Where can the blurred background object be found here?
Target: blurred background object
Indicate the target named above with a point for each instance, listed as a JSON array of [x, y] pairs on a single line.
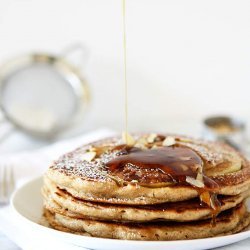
[[42, 95], [225, 129]]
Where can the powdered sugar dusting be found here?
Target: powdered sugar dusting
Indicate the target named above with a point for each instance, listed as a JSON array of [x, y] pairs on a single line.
[[73, 164], [206, 152]]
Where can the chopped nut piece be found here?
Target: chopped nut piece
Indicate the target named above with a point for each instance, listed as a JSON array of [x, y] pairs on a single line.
[[134, 181], [128, 139], [169, 141], [151, 138], [194, 182], [141, 146], [142, 141], [99, 150], [88, 156], [199, 176]]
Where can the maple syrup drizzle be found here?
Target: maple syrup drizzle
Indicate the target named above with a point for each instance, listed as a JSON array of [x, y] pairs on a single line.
[[167, 160], [125, 69], [171, 164], [174, 162]]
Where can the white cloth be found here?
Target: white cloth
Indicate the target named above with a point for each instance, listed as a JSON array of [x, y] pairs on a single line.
[[28, 165]]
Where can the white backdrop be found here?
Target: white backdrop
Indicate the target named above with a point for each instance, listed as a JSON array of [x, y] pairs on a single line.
[[186, 59]]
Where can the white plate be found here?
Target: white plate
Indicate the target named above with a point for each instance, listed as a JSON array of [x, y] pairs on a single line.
[[27, 204]]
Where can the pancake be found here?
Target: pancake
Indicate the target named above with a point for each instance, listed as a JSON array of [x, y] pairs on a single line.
[[228, 222], [91, 179], [154, 187], [61, 202]]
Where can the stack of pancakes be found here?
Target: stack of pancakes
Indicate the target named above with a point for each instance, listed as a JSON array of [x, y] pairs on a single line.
[[154, 187]]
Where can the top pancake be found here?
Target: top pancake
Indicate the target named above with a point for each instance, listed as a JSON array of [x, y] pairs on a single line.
[[91, 173]]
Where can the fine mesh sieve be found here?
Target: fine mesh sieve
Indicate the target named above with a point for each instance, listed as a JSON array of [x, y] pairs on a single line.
[[42, 94]]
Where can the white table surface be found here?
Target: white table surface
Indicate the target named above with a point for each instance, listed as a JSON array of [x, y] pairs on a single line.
[[6, 244]]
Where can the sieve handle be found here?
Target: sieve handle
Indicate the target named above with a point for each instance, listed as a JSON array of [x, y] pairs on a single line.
[[77, 54]]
